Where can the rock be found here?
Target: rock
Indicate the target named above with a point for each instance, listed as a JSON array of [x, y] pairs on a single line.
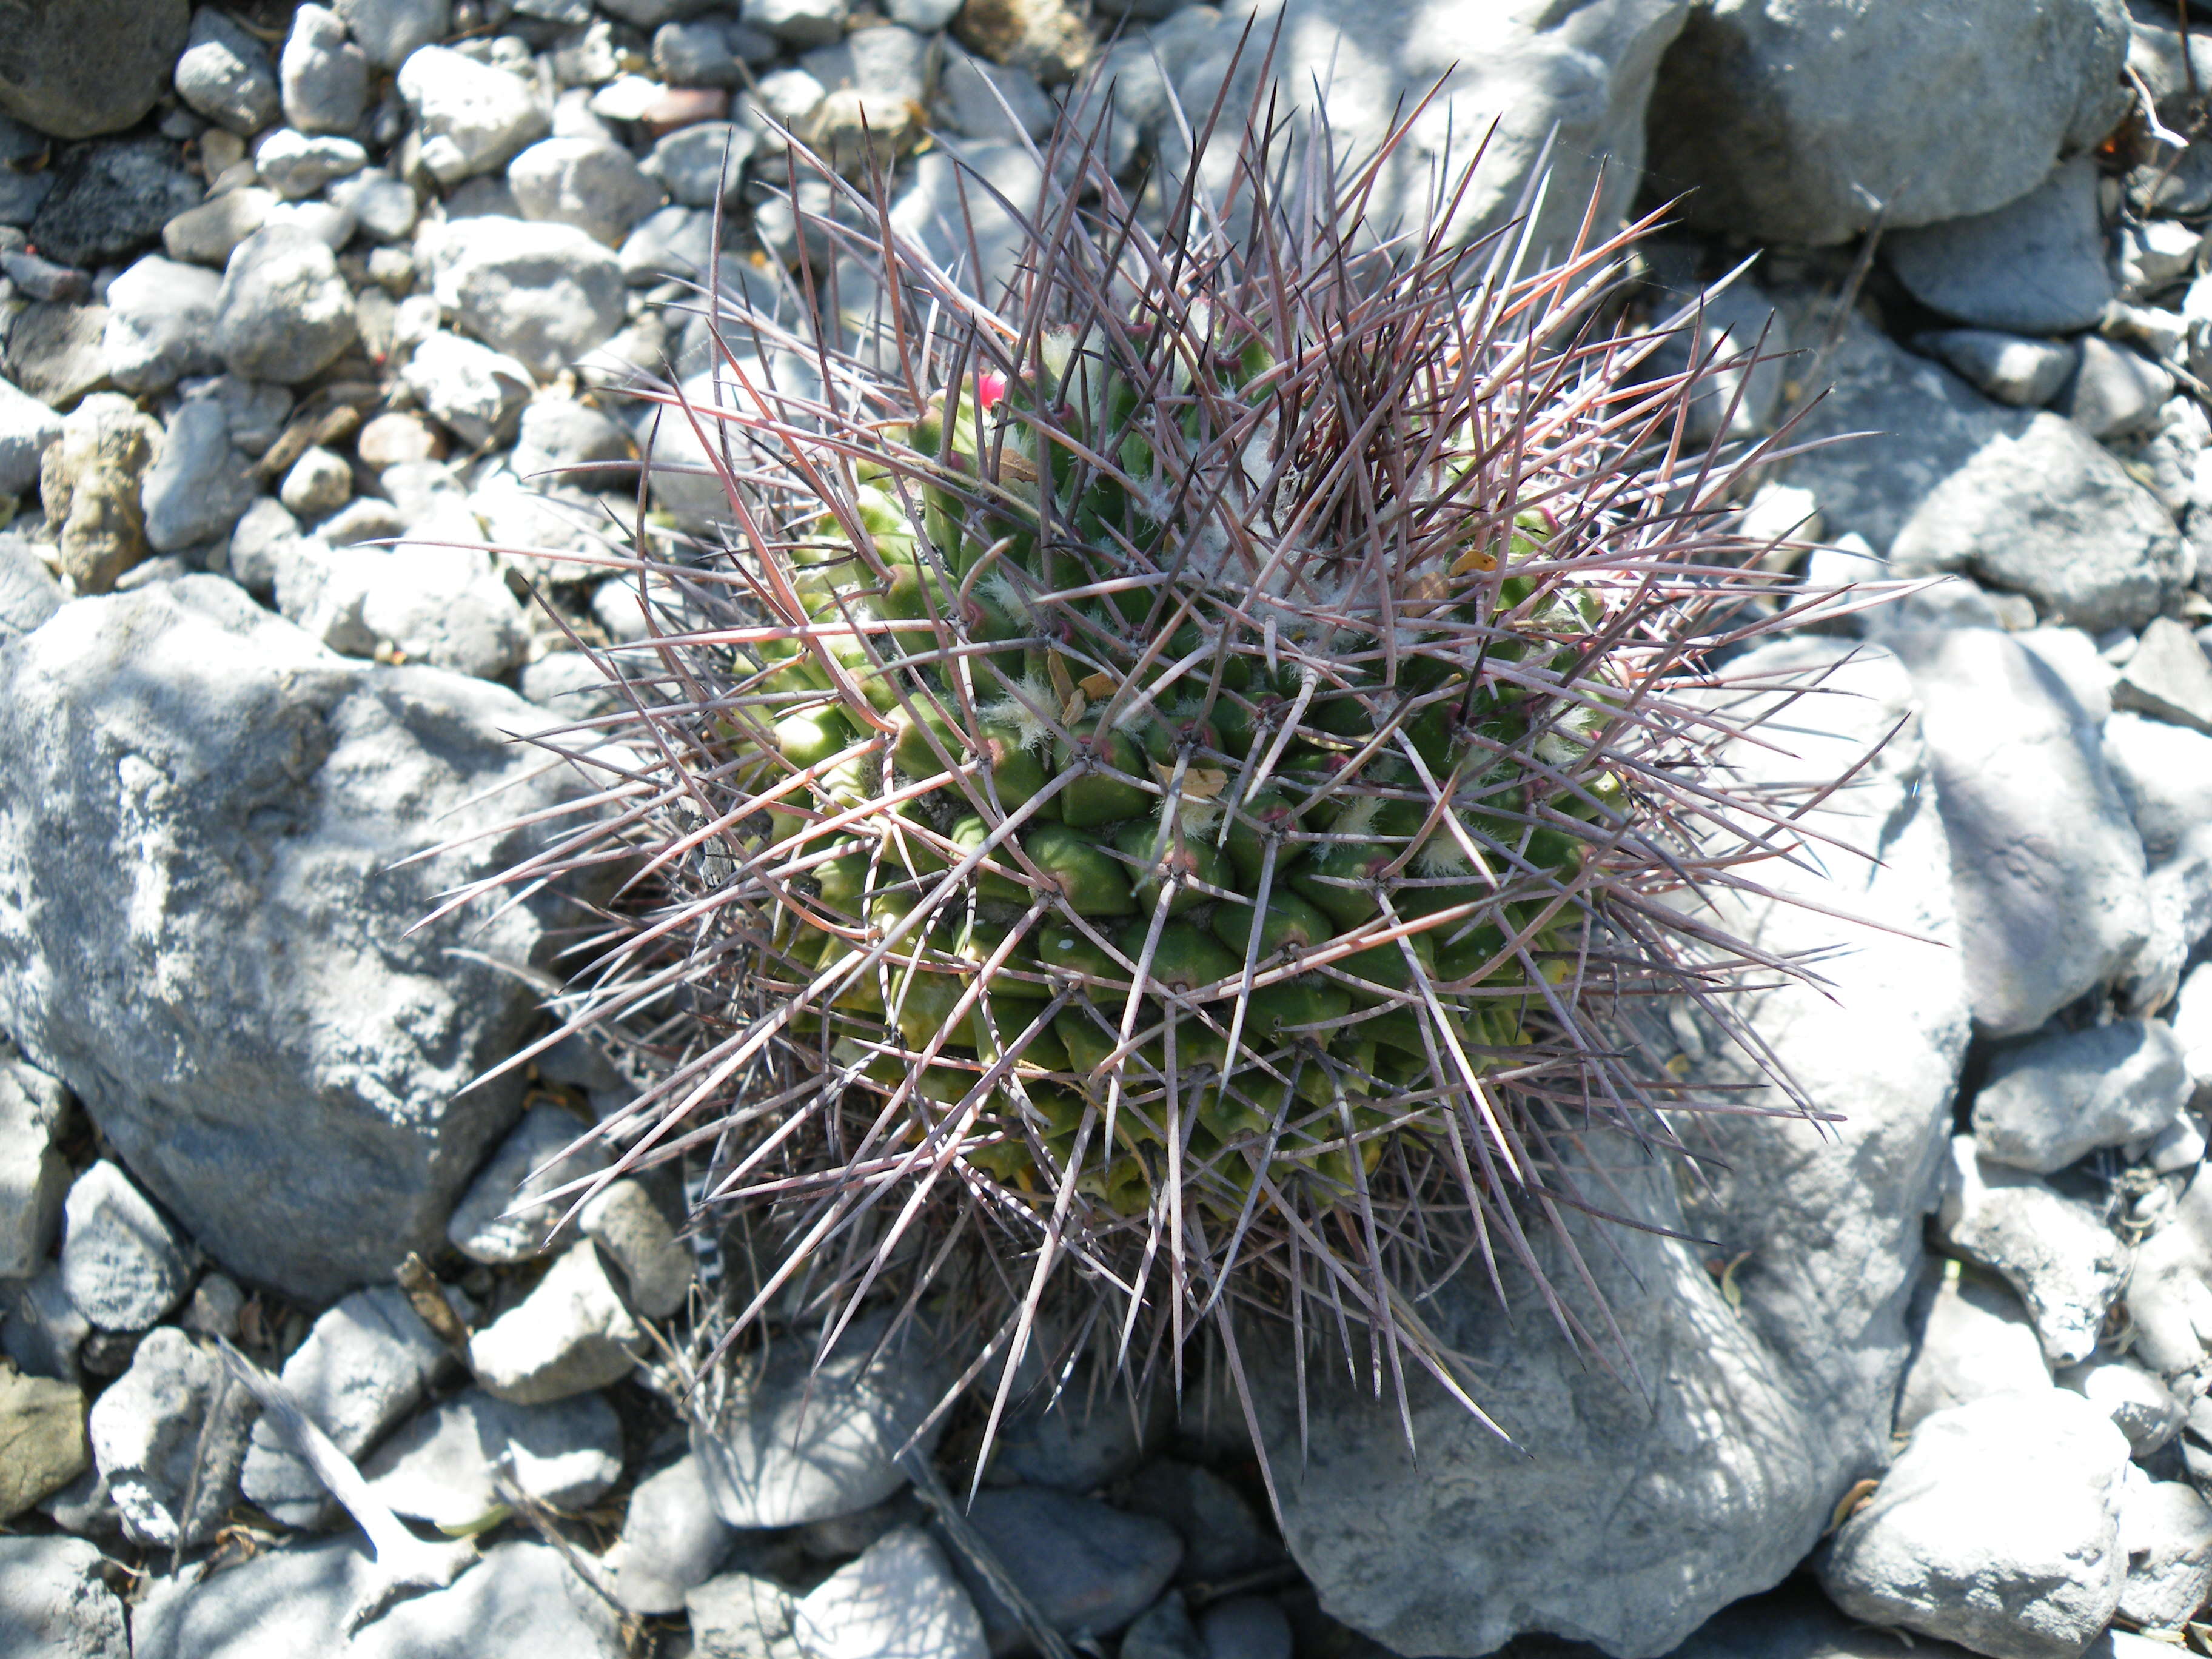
[[42, 1447], [398, 437], [2168, 677], [671, 1541], [2045, 864], [1163, 1631], [27, 428], [109, 200], [36, 278], [160, 324], [2066, 1264], [948, 196], [2025, 373], [2117, 393], [2192, 1027], [800, 23], [987, 101], [899, 1600], [544, 293], [2021, 500], [596, 187], [2060, 1097], [1625, 1518], [2164, 773], [258, 542], [2170, 1293], [1221, 1534], [577, 445], [1077, 1441], [702, 164], [324, 75], [211, 233], [421, 601], [91, 482], [34, 1178], [695, 55], [797, 1442], [29, 592], [22, 193], [1967, 1540], [319, 485], [521, 1601], [199, 486], [226, 75], [366, 1364], [2141, 1407], [123, 1263], [440, 1468], [740, 1616], [382, 205], [476, 392], [923, 16], [2166, 1532], [390, 31], [1726, 327], [217, 1303], [473, 117], [569, 1335], [522, 1170], [887, 61], [630, 1231], [1246, 1627], [2035, 266], [570, 684], [1088, 1570], [1782, 121], [1045, 37], [54, 352], [295, 166], [49, 79], [55, 1603], [1977, 1341], [284, 313], [308, 780], [675, 241], [156, 1451], [45, 1329]]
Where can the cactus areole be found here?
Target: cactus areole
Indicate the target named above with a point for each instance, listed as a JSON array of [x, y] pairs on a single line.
[[1165, 792]]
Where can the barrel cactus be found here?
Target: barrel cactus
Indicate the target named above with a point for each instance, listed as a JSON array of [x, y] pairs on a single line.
[[1157, 805]]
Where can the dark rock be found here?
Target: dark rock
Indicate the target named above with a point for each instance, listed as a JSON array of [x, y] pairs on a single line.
[[55, 351], [79, 68], [111, 200], [2036, 266], [1088, 1570]]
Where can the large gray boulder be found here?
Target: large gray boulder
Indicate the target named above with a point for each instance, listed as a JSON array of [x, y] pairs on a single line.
[[1564, 86], [50, 79], [203, 931], [1805, 120], [1640, 1501]]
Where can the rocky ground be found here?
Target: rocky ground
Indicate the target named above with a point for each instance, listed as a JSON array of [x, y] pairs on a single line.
[[293, 298]]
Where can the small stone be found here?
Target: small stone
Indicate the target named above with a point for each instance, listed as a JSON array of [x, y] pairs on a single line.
[[475, 393], [2036, 266], [1087, 1569], [199, 486], [91, 480], [2157, 254], [42, 279], [154, 1450], [800, 1443], [34, 1177], [384, 207], [442, 1467], [1163, 1631], [569, 1335], [398, 436], [544, 293], [226, 76], [29, 592], [422, 601], [327, 222], [854, 131], [319, 485], [1977, 1341], [2065, 1262], [256, 410], [521, 1170], [899, 1600], [42, 1444], [2053, 1101], [704, 164], [925, 16], [2012, 368], [54, 352], [258, 542], [294, 165], [473, 117], [2115, 392], [671, 1541], [2166, 1532], [587, 57], [677, 241], [741, 1616], [988, 100], [627, 1226], [390, 31], [1246, 1627], [596, 187], [366, 1363], [1078, 1441], [2169, 678], [696, 54], [109, 200], [791, 95], [1967, 1540], [55, 1603], [2141, 1407], [324, 75], [800, 23], [160, 324], [1221, 1534], [28, 426], [209, 233], [217, 1303], [45, 1330], [284, 313], [122, 1264], [570, 443], [676, 107]]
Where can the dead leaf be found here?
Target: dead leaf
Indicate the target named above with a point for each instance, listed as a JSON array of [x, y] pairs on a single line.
[[1852, 1502]]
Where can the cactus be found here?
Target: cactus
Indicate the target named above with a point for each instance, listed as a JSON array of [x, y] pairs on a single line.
[[1158, 807]]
